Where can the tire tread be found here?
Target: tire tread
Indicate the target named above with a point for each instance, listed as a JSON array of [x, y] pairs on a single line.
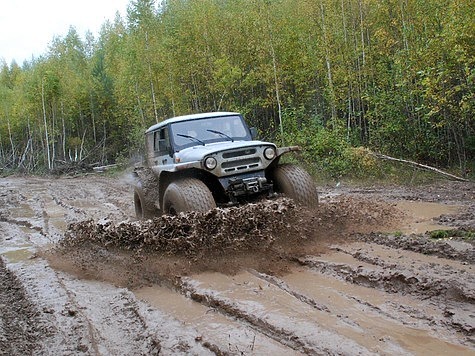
[[296, 183]]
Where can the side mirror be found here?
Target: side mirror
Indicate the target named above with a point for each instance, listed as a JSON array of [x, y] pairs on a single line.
[[253, 131]]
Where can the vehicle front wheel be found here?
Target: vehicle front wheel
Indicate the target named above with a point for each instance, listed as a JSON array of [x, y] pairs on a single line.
[[294, 182], [187, 194]]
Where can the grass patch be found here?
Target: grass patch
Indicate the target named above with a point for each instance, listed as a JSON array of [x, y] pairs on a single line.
[[445, 234]]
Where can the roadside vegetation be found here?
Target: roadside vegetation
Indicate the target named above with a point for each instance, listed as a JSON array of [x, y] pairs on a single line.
[[343, 79], [464, 234]]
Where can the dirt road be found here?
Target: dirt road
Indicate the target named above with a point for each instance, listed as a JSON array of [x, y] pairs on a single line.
[[356, 276]]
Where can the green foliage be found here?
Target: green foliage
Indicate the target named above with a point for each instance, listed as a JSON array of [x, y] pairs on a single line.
[[329, 155], [327, 151], [349, 77], [459, 233]]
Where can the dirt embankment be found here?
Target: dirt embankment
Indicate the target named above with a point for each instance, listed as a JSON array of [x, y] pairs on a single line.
[[357, 275]]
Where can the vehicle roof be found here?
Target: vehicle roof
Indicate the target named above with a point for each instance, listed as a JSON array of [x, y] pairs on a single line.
[[190, 117]]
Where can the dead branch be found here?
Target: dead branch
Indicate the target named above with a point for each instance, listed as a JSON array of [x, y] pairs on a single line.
[[423, 166], [104, 168]]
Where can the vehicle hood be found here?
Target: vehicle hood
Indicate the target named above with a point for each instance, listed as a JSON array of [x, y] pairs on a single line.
[[196, 153]]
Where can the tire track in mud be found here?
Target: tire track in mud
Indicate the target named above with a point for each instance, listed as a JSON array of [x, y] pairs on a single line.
[[285, 287], [269, 311], [392, 279], [93, 318], [33, 207], [100, 200], [110, 316], [220, 332], [427, 279], [64, 335], [345, 324], [113, 321], [20, 326], [421, 244]]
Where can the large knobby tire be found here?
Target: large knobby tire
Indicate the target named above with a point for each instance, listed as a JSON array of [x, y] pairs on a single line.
[[187, 194], [143, 208], [145, 194], [294, 182]]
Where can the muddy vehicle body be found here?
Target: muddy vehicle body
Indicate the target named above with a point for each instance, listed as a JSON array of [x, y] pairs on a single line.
[[197, 162]]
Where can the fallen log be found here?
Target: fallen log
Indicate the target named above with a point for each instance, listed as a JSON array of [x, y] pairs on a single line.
[[104, 168], [423, 166]]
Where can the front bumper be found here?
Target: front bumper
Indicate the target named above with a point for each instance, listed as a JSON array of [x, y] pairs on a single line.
[[245, 184]]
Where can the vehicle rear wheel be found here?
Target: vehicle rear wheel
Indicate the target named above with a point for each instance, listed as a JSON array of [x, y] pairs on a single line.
[[187, 194], [138, 205], [144, 209], [294, 182]]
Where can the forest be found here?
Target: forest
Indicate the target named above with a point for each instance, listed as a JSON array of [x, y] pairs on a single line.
[[341, 78]]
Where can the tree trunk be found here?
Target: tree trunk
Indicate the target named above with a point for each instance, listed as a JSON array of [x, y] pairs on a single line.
[[11, 139], [45, 123], [63, 140], [328, 63], [154, 101], [53, 143], [276, 83], [93, 117], [139, 103]]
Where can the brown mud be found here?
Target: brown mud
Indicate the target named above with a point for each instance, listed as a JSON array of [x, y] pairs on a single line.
[[359, 274]]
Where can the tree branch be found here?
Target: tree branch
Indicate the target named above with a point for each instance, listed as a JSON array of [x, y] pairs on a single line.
[[379, 155]]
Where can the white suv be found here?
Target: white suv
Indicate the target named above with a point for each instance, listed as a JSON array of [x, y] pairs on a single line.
[[197, 162]]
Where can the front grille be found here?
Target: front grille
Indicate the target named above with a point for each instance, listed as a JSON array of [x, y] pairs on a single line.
[[240, 165], [245, 152], [241, 160]]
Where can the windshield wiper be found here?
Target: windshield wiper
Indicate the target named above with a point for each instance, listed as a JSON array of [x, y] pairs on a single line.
[[221, 133], [191, 138]]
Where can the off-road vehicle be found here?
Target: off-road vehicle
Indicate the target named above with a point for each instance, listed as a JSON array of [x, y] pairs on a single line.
[[197, 162]]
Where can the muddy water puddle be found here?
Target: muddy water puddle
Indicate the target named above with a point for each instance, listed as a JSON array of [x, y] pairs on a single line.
[[372, 317], [343, 317], [263, 303], [233, 336], [17, 255], [24, 211], [420, 216]]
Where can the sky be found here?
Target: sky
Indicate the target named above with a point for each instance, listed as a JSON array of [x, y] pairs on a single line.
[[27, 27]]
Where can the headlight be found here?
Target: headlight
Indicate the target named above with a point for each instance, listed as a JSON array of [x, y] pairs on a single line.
[[210, 163], [269, 153]]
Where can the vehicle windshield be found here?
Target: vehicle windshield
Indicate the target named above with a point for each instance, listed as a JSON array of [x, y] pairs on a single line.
[[208, 130]]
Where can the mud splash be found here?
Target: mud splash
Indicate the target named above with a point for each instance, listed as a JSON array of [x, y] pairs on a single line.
[[253, 226]]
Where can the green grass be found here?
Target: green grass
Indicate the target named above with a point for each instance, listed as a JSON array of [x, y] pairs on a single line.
[[444, 234]]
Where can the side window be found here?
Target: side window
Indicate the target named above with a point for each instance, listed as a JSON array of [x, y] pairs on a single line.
[[156, 141], [161, 142]]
